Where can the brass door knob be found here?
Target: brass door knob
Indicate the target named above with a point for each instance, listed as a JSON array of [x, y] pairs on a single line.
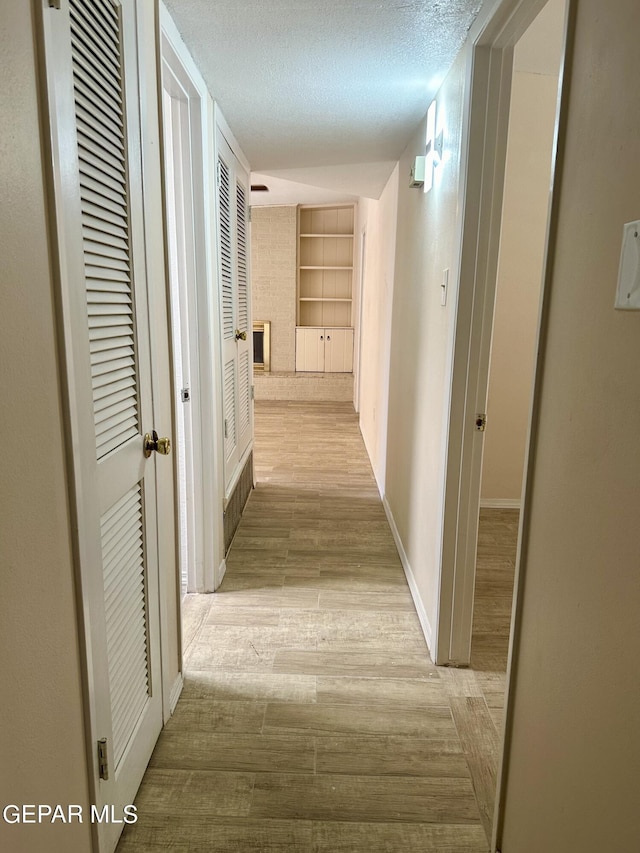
[[160, 445], [241, 336]]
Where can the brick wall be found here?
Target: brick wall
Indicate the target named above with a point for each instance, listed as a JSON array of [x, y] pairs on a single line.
[[273, 279]]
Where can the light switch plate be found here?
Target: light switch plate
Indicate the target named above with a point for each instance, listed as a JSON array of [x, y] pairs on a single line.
[[628, 292]]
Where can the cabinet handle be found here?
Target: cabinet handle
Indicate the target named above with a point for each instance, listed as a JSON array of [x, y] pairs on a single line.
[[321, 338], [328, 337]]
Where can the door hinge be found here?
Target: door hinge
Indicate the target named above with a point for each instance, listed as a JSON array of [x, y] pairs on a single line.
[[249, 212], [54, 4], [103, 759], [226, 428], [253, 392], [481, 422], [218, 173]]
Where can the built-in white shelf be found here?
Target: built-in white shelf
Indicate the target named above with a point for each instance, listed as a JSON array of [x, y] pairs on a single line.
[[325, 267], [322, 236]]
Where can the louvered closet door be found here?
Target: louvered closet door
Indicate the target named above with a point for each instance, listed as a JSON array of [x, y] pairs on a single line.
[[91, 55], [237, 339], [245, 347]]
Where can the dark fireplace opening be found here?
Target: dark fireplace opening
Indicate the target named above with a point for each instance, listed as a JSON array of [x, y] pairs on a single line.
[[258, 347], [262, 345]]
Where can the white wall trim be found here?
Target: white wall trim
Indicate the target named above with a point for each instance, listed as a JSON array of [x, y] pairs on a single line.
[[220, 573], [500, 503], [358, 305], [170, 32], [377, 477], [205, 410], [413, 586], [176, 690]]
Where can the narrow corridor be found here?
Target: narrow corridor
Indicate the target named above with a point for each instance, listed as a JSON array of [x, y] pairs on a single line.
[[312, 719]]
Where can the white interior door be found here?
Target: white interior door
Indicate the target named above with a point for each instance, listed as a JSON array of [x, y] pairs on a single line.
[[237, 342], [91, 56]]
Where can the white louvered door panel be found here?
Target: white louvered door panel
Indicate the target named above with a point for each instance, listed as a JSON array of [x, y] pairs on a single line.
[[235, 307], [228, 306], [226, 248], [245, 347], [105, 223], [91, 53], [244, 392], [229, 410], [122, 534], [241, 244]]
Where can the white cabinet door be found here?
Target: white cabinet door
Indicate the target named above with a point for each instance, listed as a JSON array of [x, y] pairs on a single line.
[[310, 350], [338, 350], [328, 350]]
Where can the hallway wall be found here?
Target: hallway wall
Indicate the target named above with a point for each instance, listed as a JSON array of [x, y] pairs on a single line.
[[379, 219], [575, 739], [42, 750], [421, 339]]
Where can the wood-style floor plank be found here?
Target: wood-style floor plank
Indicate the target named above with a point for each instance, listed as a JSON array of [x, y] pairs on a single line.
[[333, 837], [480, 743], [312, 719], [364, 798]]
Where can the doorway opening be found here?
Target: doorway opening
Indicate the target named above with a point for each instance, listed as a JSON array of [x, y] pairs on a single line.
[[537, 59], [481, 264]]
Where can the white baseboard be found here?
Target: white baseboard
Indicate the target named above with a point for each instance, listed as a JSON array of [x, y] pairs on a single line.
[[176, 690], [413, 586], [222, 568], [500, 503], [379, 484]]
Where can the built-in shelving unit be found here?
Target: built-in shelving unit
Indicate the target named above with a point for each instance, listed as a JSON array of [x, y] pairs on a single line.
[[325, 266]]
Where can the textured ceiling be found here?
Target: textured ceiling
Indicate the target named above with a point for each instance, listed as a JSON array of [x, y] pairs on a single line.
[[350, 181], [308, 83], [289, 191]]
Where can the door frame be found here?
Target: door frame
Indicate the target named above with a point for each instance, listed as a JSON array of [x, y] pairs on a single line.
[[489, 76], [180, 178], [208, 570], [181, 269], [357, 356]]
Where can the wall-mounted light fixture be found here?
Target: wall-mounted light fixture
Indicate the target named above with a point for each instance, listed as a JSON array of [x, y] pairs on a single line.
[[417, 171], [434, 147], [425, 164]]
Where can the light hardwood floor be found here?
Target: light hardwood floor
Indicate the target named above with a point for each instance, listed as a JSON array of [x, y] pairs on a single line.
[[312, 718]]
